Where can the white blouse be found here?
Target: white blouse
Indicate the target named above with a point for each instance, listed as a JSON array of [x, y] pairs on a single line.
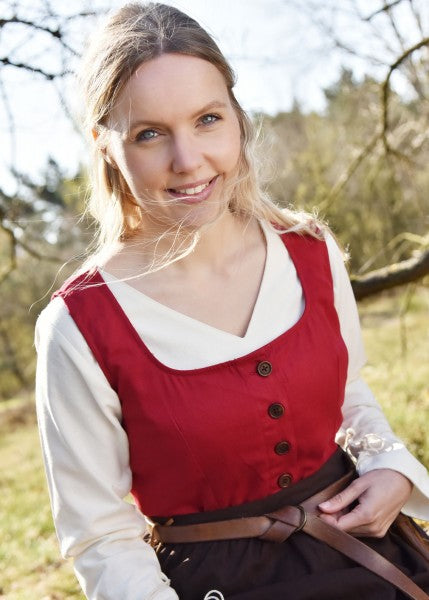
[[86, 449]]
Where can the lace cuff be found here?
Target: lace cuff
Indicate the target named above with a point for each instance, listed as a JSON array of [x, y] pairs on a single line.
[[366, 446]]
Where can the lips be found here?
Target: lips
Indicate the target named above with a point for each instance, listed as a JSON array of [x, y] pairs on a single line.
[[194, 192], [191, 188], [190, 191]]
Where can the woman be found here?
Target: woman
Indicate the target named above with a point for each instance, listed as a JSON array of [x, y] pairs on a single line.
[[202, 358]]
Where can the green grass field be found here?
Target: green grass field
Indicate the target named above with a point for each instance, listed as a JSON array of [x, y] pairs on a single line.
[[30, 564], [397, 345], [31, 568]]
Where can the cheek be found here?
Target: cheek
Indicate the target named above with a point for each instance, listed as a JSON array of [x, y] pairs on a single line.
[[141, 170], [141, 173], [233, 146], [226, 149]]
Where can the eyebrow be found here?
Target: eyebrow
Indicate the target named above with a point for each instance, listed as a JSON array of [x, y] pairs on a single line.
[[214, 104]]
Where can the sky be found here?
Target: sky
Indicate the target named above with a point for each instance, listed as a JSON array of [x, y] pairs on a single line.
[[278, 53]]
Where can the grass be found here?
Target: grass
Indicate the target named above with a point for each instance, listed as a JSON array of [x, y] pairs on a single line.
[[397, 371], [396, 335], [29, 559]]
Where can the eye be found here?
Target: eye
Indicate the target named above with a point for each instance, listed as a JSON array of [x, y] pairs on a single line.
[[146, 135], [209, 119]]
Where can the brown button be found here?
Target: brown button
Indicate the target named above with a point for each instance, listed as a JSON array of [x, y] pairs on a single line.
[[276, 410], [264, 368], [282, 448], [284, 480]]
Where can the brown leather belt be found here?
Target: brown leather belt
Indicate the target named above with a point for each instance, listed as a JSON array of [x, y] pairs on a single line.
[[278, 525]]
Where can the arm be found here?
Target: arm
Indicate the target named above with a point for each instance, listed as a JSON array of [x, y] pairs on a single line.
[[86, 457], [367, 435]]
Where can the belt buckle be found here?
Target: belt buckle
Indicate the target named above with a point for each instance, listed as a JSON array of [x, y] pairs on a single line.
[[284, 523], [303, 518]]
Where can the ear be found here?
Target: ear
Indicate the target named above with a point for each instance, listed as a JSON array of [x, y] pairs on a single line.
[[104, 152]]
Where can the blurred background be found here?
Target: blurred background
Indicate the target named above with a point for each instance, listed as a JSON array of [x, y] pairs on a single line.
[[340, 91]]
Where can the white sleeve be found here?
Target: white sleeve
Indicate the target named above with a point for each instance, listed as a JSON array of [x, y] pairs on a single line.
[[365, 431], [86, 458]]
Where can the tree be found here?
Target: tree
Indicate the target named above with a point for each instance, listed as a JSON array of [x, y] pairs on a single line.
[[360, 162], [47, 251], [37, 42], [396, 145]]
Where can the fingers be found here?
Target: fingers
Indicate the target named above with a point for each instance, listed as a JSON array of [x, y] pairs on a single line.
[[331, 519], [374, 512], [352, 523], [371, 516], [362, 521], [343, 500]]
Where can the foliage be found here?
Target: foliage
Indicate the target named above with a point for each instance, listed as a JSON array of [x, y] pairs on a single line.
[[46, 221], [384, 198], [361, 163], [373, 214]]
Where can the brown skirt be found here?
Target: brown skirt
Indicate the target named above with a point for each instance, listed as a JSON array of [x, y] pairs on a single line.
[[302, 568]]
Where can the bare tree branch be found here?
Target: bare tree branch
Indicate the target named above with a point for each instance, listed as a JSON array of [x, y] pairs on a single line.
[[384, 8], [395, 29], [56, 33], [66, 108], [414, 77], [15, 242], [50, 76], [397, 242], [417, 17], [391, 276], [12, 264], [10, 121], [327, 29], [385, 87], [50, 11], [348, 174]]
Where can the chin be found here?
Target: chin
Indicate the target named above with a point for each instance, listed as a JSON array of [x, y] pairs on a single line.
[[203, 216]]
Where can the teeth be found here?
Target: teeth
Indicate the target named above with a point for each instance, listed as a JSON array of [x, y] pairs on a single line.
[[192, 191]]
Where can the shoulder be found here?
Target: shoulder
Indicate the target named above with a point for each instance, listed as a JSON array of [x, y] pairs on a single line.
[[337, 256], [56, 330], [337, 261], [79, 282], [55, 317], [311, 238]]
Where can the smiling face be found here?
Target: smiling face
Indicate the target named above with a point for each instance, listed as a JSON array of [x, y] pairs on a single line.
[[175, 137]]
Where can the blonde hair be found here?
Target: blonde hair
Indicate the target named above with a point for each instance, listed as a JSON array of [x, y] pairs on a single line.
[[133, 35]]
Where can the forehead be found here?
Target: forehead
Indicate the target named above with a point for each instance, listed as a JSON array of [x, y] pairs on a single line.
[[170, 87]]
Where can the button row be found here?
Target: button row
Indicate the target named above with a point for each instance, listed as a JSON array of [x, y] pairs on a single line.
[[275, 411]]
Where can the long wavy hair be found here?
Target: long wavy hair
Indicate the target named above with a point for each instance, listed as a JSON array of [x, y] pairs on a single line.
[[133, 35]]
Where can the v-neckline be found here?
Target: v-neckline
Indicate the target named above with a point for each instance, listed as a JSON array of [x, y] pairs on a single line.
[[96, 276], [109, 278]]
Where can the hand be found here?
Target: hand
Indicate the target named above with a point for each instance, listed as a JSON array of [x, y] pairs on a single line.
[[380, 494]]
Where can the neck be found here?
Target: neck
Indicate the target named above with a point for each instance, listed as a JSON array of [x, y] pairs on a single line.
[[217, 243], [218, 246]]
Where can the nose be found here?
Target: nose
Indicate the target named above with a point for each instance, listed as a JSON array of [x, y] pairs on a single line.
[[186, 154]]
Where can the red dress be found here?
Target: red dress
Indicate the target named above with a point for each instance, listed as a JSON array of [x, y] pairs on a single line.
[[225, 437]]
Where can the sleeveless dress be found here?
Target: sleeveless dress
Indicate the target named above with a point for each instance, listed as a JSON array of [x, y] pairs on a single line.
[[239, 438]]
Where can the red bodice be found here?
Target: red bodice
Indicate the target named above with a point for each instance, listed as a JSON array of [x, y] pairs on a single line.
[[218, 436]]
